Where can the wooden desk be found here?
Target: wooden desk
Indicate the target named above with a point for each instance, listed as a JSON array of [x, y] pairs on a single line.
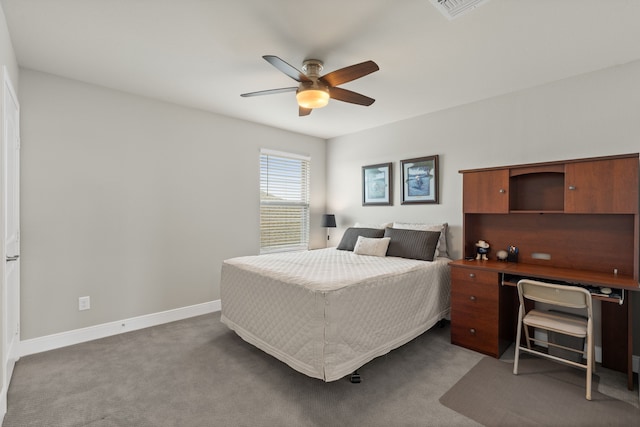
[[574, 221], [484, 301]]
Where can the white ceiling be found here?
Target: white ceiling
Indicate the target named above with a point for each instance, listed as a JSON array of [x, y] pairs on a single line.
[[205, 53]]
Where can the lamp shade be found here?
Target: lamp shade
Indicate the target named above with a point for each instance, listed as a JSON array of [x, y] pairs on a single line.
[[329, 221], [313, 98]]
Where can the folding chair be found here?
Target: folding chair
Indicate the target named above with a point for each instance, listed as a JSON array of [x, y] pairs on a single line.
[[563, 323]]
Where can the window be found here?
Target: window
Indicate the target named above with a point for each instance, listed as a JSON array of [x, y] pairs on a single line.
[[284, 202]]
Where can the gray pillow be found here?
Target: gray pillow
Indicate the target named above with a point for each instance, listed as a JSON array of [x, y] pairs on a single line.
[[412, 244], [350, 237]]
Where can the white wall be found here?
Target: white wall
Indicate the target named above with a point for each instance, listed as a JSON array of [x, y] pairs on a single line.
[[594, 114], [135, 202]]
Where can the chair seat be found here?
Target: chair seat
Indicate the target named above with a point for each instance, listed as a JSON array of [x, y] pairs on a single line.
[[558, 322]]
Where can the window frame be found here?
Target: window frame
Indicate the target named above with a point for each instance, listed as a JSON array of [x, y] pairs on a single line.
[[291, 210]]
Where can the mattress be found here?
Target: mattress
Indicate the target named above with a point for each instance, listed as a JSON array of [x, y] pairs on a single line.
[[327, 312]]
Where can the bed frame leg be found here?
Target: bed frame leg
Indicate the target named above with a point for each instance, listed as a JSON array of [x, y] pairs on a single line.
[[355, 377]]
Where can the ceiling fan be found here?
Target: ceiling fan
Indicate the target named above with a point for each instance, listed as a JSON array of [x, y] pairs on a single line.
[[315, 90]]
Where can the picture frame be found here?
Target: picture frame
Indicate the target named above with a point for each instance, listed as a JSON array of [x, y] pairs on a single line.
[[377, 188], [420, 180]]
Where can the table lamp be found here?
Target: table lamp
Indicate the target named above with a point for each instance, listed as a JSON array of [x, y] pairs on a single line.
[[328, 221]]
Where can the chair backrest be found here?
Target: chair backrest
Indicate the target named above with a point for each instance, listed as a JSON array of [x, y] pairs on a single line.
[[552, 293]]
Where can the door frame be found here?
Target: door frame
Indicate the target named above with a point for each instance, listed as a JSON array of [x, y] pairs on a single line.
[[9, 303]]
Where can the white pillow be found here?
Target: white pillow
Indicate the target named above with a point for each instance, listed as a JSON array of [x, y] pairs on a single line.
[[378, 226], [371, 246], [441, 249]]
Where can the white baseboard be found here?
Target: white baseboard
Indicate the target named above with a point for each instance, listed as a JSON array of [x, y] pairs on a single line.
[[77, 336]]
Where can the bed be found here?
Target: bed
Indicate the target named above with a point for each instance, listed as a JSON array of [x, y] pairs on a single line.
[[327, 312]]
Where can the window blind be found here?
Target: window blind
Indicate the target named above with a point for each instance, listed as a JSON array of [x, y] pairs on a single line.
[[284, 202]]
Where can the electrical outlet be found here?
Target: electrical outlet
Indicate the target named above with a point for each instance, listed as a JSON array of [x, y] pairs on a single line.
[[84, 303]]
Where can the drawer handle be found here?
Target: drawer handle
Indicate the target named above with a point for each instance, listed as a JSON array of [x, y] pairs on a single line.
[[502, 191], [472, 331], [472, 275], [572, 187], [472, 297]]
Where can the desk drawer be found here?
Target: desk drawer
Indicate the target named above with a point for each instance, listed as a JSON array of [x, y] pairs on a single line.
[[474, 337], [475, 307], [480, 295], [474, 304], [470, 275]]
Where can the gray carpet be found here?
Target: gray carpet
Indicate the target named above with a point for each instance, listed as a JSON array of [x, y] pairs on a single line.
[[544, 393], [196, 372]]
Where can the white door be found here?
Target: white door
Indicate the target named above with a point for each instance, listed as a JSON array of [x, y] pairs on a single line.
[[11, 279]]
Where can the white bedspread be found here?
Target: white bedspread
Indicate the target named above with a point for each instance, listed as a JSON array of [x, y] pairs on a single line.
[[327, 312]]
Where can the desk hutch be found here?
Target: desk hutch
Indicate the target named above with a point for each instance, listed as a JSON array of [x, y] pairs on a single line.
[[574, 221]]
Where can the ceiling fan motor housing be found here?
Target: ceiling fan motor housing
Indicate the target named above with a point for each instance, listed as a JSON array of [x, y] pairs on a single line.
[[312, 67]]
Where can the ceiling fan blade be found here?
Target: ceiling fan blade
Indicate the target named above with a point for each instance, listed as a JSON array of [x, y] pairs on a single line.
[[286, 68], [270, 91], [350, 73], [304, 111], [350, 96]]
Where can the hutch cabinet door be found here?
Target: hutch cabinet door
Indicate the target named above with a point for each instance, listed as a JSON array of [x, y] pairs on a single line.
[[602, 186], [486, 191]]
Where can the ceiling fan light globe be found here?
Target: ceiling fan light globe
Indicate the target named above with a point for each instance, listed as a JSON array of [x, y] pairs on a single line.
[[312, 98]]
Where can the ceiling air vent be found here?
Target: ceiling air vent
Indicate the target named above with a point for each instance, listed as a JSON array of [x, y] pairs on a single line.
[[454, 8]]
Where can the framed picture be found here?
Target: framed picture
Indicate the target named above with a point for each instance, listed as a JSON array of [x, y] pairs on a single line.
[[420, 180], [376, 185]]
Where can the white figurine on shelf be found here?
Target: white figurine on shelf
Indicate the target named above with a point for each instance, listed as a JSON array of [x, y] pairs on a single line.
[[482, 249]]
